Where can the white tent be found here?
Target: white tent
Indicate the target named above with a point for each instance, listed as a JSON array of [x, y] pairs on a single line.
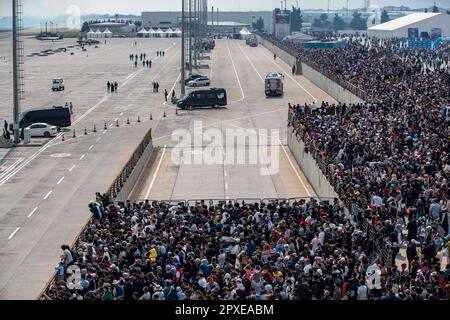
[[144, 33], [245, 32], [98, 34], [170, 32], [107, 33], [90, 34], [159, 32], [177, 32]]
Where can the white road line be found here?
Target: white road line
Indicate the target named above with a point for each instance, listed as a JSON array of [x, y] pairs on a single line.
[[11, 167], [237, 76], [100, 138], [225, 173], [251, 63], [156, 173], [115, 120], [295, 170], [32, 212], [60, 180], [82, 157], [91, 147], [48, 194], [4, 179], [13, 234], [73, 167], [121, 114], [226, 186], [111, 125]]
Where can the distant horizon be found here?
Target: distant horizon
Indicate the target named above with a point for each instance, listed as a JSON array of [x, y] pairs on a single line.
[[51, 8]]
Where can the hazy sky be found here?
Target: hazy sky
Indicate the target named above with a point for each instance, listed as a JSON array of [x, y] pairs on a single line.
[[54, 7]]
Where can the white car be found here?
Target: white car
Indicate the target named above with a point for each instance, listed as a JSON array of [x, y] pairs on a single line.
[[199, 82], [58, 85], [42, 130]]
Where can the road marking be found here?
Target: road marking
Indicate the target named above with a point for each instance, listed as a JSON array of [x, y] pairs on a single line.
[[121, 114], [32, 212], [100, 138], [109, 126], [13, 234], [82, 157], [91, 147], [4, 179], [73, 167], [251, 63], [156, 172], [295, 170], [60, 180], [237, 76], [48, 194], [226, 185], [225, 173], [11, 167]]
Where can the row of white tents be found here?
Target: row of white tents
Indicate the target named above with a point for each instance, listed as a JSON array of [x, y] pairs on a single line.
[[98, 34], [159, 33]]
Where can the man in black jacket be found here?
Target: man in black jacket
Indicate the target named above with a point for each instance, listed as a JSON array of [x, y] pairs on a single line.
[[411, 252]]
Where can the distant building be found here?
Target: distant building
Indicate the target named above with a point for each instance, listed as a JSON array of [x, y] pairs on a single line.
[[413, 26], [166, 19], [226, 27], [281, 23], [117, 28]]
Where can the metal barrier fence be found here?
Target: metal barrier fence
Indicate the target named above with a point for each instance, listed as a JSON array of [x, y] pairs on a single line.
[[112, 192]]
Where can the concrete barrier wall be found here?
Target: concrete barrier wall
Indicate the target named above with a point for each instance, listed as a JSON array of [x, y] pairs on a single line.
[[127, 188], [283, 55], [309, 167], [332, 88]]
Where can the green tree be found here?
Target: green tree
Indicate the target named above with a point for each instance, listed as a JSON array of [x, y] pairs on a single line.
[[385, 17], [338, 23], [85, 27], [296, 19], [259, 25], [358, 22], [435, 8]]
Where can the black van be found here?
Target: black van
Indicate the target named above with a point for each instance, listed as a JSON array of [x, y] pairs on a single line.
[[214, 97], [56, 116]]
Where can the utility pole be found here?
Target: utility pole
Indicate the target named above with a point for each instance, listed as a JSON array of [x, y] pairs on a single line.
[[190, 36], [183, 59], [16, 72]]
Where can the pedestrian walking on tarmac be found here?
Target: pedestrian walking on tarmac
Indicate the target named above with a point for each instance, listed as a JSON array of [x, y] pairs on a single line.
[[71, 107], [112, 87], [157, 87], [135, 64], [166, 94], [157, 53], [145, 56], [108, 85], [116, 86], [143, 64], [150, 64]]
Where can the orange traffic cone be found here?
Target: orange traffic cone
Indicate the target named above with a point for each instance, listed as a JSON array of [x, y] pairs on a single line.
[[63, 138], [105, 127], [139, 119], [117, 123], [85, 131], [164, 114], [128, 120], [95, 129], [151, 116], [176, 112], [74, 134]]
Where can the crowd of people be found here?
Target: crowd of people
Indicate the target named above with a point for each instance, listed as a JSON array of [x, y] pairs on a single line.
[[142, 58], [388, 159], [112, 86]]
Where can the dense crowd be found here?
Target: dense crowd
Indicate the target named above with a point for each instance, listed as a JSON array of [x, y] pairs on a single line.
[[300, 250]]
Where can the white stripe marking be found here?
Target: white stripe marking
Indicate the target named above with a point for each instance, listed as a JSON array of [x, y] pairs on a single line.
[[99, 138], [226, 185], [60, 180], [48, 194], [237, 76], [82, 157], [91, 147], [32, 212], [73, 167], [156, 173], [14, 233], [295, 170]]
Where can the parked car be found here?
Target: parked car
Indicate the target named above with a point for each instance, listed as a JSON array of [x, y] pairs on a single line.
[[58, 85], [215, 97], [192, 77], [56, 116], [42, 130], [200, 82]]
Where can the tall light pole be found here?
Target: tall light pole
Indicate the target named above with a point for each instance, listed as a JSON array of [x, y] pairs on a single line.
[[183, 59], [16, 70]]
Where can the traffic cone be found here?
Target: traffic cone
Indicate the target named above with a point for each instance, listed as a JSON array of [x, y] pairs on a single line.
[[85, 131], [117, 123], [63, 138], [74, 134], [105, 127], [128, 120], [164, 114], [176, 112], [95, 129], [151, 116], [139, 119]]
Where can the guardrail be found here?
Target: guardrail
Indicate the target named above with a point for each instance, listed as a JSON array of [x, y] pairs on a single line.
[[112, 192]]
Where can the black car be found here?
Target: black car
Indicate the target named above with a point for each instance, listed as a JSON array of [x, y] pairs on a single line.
[[192, 77], [215, 97], [56, 116]]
